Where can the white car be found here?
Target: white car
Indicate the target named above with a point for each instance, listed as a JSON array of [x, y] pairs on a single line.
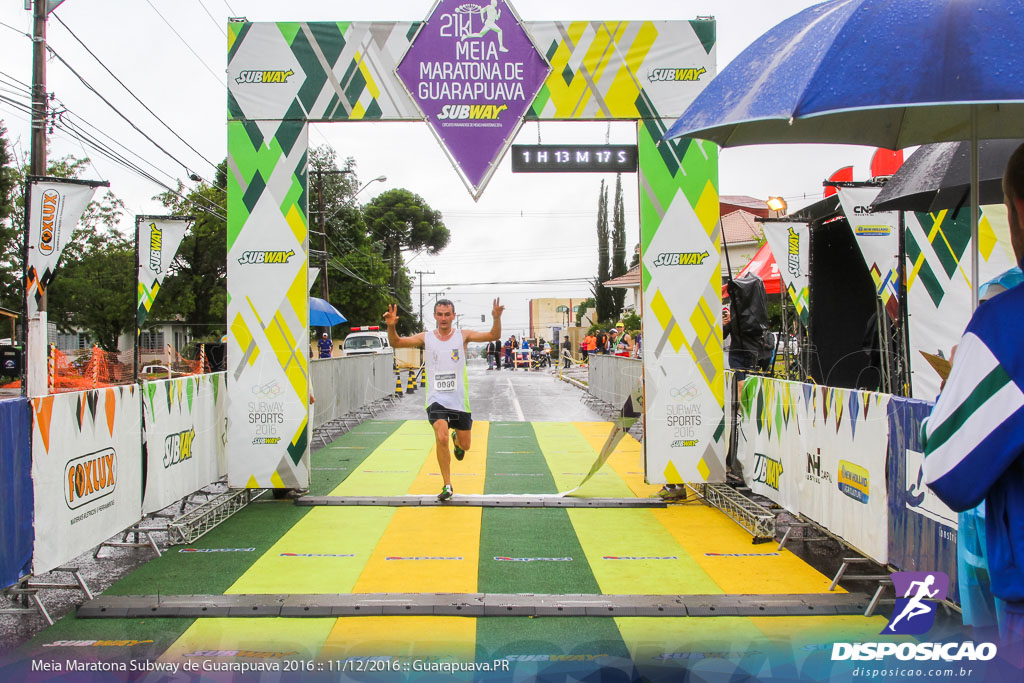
[[365, 340]]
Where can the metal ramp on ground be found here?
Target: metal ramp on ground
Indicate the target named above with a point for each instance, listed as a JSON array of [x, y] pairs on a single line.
[[471, 605], [475, 500]]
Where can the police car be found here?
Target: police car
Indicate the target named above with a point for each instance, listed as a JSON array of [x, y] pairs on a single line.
[[362, 340]]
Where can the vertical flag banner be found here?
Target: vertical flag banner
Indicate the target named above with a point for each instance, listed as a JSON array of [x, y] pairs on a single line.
[[54, 208], [877, 236], [158, 239], [938, 270], [268, 306], [791, 245]]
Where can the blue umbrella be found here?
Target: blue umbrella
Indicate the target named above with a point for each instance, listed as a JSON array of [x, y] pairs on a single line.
[[323, 314], [889, 73]]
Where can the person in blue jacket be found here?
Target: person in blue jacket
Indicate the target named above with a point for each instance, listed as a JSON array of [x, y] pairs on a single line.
[[974, 437]]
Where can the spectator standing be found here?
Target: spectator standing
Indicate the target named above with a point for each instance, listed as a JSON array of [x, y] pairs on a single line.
[[974, 437], [567, 351], [491, 354], [326, 346]]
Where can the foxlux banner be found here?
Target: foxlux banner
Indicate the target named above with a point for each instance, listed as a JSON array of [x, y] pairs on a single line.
[[185, 437], [791, 246], [158, 238], [877, 236], [54, 208], [86, 471], [473, 72]]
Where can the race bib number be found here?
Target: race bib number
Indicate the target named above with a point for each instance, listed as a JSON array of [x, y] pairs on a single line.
[[444, 381]]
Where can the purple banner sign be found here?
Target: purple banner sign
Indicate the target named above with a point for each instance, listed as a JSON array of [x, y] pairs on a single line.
[[473, 72]]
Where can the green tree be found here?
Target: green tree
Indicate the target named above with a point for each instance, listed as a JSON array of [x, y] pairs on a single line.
[[95, 287], [602, 295], [582, 309], [195, 289], [618, 247], [401, 220], [358, 277], [10, 235]]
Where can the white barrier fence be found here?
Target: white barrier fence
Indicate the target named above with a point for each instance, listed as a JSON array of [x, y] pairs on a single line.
[[86, 470], [820, 452], [185, 424], [612, 378], [344, 385]]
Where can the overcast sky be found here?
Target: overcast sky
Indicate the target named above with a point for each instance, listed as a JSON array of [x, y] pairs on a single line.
[[172, 53]]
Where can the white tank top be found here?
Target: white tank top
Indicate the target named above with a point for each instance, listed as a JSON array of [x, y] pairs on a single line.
[[447, 380]]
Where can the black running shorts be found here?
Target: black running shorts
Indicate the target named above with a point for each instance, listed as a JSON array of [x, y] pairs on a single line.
[[456, 419]]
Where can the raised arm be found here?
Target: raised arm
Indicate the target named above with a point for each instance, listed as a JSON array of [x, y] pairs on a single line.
[[391, 319], [494, 334]]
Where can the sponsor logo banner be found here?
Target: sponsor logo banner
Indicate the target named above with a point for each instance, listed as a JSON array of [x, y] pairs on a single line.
[[185, 434], [217, 550], [877, 237], [158, 241], [474, 72], [533, 559], [791, 247], [399, 557], [54, 208], [683, 74], [854, 481], [86, 471], [90, 477]]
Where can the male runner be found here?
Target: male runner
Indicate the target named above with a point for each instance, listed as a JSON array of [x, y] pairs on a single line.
[[444, 353]]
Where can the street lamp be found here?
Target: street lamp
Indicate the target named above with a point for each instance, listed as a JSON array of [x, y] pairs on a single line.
[[777, 204]]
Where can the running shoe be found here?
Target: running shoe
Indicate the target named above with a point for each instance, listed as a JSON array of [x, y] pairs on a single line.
[[672, 493], [459, 453], [446, 493]]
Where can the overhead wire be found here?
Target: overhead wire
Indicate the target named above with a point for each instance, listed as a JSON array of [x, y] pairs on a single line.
[[185, 42], [118, 111], [219, 27], [132, 93]]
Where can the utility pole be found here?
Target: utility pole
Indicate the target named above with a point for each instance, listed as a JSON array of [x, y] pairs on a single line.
[[35, 333], [37, 155], [419, 275]]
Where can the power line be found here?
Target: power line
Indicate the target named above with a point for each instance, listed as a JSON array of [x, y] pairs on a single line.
[[212, 73], [118, 111], [508, 282], [219, 27], [130, 92]]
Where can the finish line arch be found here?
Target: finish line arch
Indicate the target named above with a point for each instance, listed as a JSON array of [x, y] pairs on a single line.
[[284, 75]]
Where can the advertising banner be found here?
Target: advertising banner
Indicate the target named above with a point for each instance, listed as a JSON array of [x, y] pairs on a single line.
[[16, 503], [848, 440], [922, 530], [55, 206], [158, 238], [877, 236], [770, 441], [268, 307], [939, 285], [684, 430], [186, 433], [791, 245], [86, 470], [821, 452], [473, 72]]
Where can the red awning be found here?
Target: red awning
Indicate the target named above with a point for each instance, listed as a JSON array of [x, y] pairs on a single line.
[[763, 265]]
